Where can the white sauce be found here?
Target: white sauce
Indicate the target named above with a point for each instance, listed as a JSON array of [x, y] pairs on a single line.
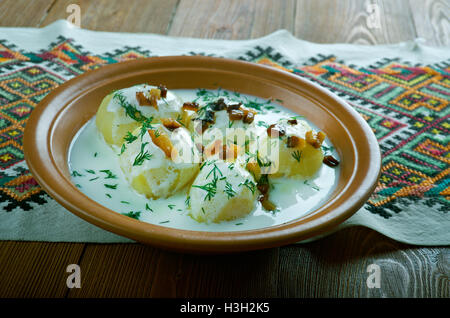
[[295, 198]]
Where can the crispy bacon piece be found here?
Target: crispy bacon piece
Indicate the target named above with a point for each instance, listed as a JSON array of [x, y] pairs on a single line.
[[219, 105], [155, 95], [330, 161], [254, 169], [190, 106], [142, 99], [163, 90], [292, 121], [249, 115], [295, 142], [315, 141], [162, 140], [170, 123], [233, 107], [236, 114]]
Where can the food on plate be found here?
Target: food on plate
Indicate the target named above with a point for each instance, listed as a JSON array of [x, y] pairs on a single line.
[[126, 109], [298, 149], [222, 191], [153, 160], [223, 154]]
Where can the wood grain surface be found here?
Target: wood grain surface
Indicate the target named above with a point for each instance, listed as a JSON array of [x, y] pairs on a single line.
[[335, 266]]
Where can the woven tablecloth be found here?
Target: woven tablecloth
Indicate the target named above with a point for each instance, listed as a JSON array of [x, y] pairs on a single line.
[[401, 90]]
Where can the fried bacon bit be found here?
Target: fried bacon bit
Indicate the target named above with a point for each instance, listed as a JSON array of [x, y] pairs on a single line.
[[170, 123], [295, 142], [275, 128], [236, 114], [142, 99], [330, 161], [254, 169], [163, 90], [190, 106], [264, 187], [219, 105], [266, 203], [292, 121], [162, 140], [249, 115], [315, 141], [233, 107], [155, 95]]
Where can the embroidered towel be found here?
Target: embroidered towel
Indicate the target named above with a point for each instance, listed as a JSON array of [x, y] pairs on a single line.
[[401, 90]]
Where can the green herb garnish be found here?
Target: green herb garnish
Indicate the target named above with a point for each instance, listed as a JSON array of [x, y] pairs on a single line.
[[297, 155], [142, 156], [111, 186], [76, 174], [109, 174], [133, 214]]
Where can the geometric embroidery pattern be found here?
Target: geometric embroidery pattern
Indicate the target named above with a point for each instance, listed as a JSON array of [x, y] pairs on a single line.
[[407, 106]]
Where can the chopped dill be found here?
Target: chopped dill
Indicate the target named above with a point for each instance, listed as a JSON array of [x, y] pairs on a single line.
[[111, 186], [89, 171], [249, 184], [125, 202], [133, 214], [94, 179], [129, 137], [167, 221], [76, 174], [297, 155], [142, 156], [109, 174], [108, 195], [229, 190], [148, 208], [171, 206]]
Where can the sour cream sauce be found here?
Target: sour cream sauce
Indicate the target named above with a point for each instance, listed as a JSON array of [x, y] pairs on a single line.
[[95, 170]]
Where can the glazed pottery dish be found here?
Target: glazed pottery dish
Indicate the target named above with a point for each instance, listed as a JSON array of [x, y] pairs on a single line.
[[203, 155]]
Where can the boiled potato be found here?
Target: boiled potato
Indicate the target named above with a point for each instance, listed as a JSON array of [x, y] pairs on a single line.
[[222, 191], [124, 110], [291, 150], [159, 162]]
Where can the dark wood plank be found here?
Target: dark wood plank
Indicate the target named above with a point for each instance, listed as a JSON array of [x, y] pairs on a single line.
[[36, 269], [152, 16], [330, 21], [134, 270], [336, 266], [117, 270], [23, 13], [236, 19], [431, 20]]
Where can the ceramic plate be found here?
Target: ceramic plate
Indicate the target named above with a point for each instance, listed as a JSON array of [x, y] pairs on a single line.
[[60, 116]]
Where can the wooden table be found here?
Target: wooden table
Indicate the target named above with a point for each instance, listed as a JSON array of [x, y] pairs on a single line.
[[335, 266]]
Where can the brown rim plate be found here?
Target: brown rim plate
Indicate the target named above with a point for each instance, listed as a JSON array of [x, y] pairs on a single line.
[[60, 115]]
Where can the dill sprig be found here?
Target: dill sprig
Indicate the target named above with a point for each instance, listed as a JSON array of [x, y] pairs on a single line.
[[229, 190], [142, 155], [133, 214], [129, 137], [130, 110], [249, 184], [297, 155], [109, 174]]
